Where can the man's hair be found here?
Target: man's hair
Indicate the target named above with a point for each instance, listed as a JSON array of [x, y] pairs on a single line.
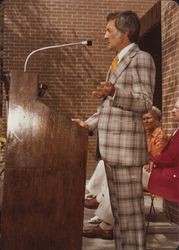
[[126, 21], [156, 113]]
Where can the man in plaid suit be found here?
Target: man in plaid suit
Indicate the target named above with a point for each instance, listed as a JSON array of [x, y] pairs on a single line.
[[127, 93]]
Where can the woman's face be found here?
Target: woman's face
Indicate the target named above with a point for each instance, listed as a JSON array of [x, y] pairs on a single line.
[[150, 122]]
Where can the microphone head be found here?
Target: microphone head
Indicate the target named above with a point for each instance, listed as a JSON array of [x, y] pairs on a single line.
[[89, 42]]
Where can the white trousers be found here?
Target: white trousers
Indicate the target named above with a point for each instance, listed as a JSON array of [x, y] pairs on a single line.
[[98, 181]]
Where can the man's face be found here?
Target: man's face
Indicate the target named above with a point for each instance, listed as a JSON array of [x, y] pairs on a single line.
[[175, 111], [116, 40], [150, 122]]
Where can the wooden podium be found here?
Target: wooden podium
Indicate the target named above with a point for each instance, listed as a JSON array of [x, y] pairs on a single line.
[[44, 179]]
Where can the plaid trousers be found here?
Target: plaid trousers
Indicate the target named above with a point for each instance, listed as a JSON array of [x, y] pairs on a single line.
[[127, 202]]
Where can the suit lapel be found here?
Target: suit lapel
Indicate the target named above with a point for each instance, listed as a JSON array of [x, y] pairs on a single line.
[[124, 62]]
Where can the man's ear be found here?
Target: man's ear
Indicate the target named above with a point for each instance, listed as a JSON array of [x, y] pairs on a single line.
[[126, 33]]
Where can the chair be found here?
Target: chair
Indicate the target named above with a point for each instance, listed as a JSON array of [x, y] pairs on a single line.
[[145, 180], [151, 207]]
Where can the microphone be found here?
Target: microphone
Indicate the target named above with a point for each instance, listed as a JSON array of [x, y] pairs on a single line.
[[87, 42]]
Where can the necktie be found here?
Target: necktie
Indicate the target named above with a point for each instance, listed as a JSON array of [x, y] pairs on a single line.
[[114, 64]]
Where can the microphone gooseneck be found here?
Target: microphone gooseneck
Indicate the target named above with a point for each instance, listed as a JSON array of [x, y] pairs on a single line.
[[87, 42]]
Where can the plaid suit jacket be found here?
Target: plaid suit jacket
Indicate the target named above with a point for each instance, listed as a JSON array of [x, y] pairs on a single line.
[[118, 120]]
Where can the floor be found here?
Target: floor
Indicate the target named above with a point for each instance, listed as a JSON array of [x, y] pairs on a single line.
[[161, 234]]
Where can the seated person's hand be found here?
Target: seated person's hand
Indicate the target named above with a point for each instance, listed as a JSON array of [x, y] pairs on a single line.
[[148, 167], [80, 122]]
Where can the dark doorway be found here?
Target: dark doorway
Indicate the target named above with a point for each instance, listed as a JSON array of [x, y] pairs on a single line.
[[150, 41]]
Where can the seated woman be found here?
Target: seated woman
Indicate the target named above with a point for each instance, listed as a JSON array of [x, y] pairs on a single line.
[[164, 179], [156, 138]]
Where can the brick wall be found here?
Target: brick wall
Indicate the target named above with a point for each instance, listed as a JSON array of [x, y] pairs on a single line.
[[170, 77], [1, 53], [3, 122], [70, 73], [170, 62]]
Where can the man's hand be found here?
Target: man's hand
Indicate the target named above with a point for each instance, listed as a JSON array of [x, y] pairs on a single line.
[[80, 122], [148, 167], [104, 89]]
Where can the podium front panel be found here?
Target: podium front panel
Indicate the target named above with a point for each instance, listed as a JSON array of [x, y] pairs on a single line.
[[44, 179]]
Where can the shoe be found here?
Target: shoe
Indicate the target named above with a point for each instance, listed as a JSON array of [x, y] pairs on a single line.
[[94, 220], [91, 203], [97, 232]]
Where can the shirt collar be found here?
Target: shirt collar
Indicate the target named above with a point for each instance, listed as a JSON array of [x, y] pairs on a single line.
[[124, 51], [155, 132]]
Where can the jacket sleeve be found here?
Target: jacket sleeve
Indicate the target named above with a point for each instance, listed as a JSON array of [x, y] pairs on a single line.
[[92, 121], [169, 156], [158, 143], [139, 97]]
